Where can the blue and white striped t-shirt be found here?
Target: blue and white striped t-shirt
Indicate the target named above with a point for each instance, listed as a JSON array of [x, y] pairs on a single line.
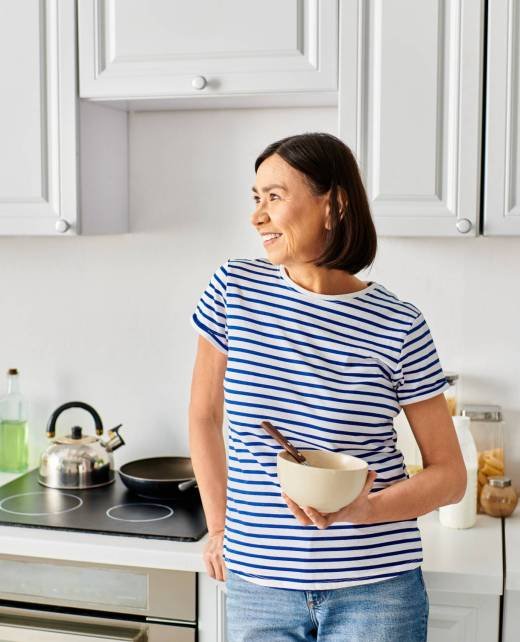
[[330, 372]]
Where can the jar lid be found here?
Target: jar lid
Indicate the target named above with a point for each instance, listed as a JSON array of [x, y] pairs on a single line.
[[500, 482], [451, 377], [481, 412]]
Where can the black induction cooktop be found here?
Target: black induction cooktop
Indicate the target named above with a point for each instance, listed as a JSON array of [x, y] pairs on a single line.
[[110, 509]]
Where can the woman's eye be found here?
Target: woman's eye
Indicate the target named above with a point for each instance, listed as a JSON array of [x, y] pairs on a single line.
[[256, 198]]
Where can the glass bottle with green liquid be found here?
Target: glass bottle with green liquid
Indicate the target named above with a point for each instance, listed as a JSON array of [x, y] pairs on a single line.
[[14, 437]]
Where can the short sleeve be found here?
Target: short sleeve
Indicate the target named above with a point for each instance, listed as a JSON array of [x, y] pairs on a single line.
[[420, 371], [209, 317]]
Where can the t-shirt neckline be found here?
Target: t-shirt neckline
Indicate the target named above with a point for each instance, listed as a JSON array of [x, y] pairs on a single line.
[[316, 295]]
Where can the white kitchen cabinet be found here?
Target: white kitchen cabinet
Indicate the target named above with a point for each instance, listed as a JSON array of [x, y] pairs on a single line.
[[511, 632], [410, 107], [63, 165], [212, 609], [502, 143], [172, 54]]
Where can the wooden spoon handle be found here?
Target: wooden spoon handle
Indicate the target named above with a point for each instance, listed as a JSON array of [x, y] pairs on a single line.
[[267, 426]]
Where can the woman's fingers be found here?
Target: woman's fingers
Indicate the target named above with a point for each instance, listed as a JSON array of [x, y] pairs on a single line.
[[223, 570], [208, 563], [371, 478], [299, 513], [213, 556]]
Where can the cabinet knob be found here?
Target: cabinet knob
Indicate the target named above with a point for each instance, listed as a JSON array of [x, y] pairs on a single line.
[[464, 225], [199, 82], [62, 225]]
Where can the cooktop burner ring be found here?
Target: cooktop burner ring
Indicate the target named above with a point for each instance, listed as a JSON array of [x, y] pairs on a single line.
[[47, 494], [137, 506]]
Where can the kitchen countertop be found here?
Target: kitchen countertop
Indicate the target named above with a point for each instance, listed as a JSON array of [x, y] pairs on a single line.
[[465, 561]]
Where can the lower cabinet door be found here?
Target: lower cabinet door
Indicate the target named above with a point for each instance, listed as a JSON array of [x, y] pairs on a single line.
[[463, 617]]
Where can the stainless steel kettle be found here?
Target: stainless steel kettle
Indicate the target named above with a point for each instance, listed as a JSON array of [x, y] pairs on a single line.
[[77, 461]]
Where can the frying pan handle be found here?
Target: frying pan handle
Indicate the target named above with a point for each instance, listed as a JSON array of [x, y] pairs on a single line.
[[182, 486]]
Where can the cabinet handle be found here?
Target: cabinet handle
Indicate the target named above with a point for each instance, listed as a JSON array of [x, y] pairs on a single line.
[[199, 82], [62, 225], [464, 225]]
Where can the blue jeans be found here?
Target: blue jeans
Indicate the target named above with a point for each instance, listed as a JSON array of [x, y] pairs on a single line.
[[394, 610]]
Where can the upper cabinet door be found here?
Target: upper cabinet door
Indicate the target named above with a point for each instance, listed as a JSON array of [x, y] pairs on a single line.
[[63, 165], [38, 170], [172, 48], [410, 108], [502, 156]]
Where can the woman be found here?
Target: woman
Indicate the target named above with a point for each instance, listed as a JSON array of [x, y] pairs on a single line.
[[329, 360]]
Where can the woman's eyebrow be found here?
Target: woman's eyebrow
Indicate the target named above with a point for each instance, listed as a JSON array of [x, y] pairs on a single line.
[[268, 187]]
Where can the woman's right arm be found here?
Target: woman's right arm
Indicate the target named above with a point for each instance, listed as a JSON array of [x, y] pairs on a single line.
[[208, 453]]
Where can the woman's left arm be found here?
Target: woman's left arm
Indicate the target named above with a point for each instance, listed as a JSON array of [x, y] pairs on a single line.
[[442, 480]]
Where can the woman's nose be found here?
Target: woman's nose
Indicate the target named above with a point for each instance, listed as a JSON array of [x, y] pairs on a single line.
[[259, 216]]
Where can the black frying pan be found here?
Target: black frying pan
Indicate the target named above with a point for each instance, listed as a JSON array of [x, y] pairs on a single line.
[[159, 477]]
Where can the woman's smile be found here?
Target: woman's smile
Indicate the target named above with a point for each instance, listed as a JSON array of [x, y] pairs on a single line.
[[271, 238]]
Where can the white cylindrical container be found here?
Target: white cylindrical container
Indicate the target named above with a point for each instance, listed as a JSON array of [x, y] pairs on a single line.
[[463, 514]]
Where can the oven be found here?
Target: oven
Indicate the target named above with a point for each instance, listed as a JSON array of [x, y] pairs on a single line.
[[44, 600]]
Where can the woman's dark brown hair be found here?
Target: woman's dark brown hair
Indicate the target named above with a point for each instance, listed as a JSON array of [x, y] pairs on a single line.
[[327, 163]]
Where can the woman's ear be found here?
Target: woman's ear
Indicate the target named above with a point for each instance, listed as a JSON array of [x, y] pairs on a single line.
[[342, 202], [342, 206]]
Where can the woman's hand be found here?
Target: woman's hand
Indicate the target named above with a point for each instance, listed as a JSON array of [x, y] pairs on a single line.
[[213, 558], [357, 512]]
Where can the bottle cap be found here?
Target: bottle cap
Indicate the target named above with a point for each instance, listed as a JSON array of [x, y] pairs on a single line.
[[500, 482], [12, 371]]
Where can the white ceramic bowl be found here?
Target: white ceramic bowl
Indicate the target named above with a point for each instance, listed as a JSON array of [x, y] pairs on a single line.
[[329, 482]]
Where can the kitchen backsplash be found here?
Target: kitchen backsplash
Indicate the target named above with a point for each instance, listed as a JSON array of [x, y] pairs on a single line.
[[105, 320]]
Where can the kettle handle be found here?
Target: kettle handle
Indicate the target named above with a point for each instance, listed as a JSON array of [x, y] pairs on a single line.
[[51, 426]]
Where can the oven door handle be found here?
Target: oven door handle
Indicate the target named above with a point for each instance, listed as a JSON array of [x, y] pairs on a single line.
[[19, 624], [18, 628]]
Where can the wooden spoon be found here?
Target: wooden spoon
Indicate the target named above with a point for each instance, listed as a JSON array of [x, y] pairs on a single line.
[[267, 426]]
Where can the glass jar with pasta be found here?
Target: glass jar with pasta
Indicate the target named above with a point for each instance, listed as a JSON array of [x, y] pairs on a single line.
[[487, 427]]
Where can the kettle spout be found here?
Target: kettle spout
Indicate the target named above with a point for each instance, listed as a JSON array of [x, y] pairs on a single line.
[[115, 440]]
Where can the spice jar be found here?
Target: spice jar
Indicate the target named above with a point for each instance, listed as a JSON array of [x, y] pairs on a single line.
[[498, 497], [487, 428], [451, 393]]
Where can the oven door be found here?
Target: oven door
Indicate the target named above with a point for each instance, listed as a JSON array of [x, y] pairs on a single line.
[[24, 625]]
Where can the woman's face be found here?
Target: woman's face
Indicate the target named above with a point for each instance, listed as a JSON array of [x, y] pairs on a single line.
[[285, 205]]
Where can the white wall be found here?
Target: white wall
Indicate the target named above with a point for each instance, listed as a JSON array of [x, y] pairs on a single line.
[[105, 320]]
